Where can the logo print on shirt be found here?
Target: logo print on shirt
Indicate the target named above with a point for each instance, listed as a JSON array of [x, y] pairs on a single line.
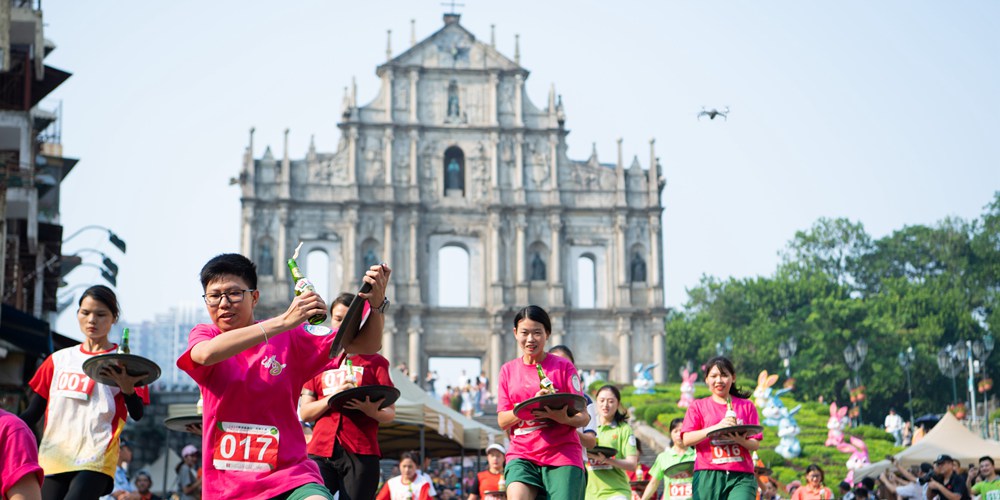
[[273, 364]]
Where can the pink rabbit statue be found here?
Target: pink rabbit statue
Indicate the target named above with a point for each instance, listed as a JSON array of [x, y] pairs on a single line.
[[858, 458], [835, 426], [687, 388]]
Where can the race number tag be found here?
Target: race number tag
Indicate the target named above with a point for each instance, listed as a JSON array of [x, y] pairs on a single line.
[[680, 491], [592, 465], [74, 385], [336, 377], [245, 447], [726, 452]]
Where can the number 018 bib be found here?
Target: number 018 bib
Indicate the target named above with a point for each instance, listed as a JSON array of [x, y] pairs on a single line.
[[245, 447]]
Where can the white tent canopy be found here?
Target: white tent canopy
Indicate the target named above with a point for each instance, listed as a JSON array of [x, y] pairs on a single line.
[[949, 437], [156, 470]]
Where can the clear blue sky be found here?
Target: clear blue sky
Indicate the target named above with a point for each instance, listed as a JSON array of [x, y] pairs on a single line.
[[884, 112]]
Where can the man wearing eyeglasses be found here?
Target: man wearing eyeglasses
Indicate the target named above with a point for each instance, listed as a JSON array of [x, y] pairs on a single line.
[[250, 373]]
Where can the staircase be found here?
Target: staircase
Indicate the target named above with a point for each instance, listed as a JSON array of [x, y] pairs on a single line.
[[489, 416]]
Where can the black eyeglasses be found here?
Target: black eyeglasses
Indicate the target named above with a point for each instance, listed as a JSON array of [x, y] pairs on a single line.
[[234, 296]]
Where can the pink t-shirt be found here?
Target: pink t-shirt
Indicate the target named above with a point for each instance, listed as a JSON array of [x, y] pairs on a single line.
[[541, 443], [18, 452], [253, 445], [717, 453]]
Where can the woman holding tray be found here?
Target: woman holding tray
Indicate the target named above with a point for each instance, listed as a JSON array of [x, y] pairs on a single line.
[[606, 477], [674, 487], [723, 466], [250, 373], [345, 442], [83, 419], [545, 454]]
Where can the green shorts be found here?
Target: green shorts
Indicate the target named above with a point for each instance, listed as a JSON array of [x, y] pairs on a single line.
[[553, 483], [720, 484], [305, 491]]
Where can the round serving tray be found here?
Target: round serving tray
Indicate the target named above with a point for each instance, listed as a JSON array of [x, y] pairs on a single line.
[[679, 468], [607, 451], [558, 401], [737, 429], [354, 319], [386, 393], [181, 423], [134, 366]]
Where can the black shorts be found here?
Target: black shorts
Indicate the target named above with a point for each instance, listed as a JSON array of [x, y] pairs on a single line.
[[354, 476]]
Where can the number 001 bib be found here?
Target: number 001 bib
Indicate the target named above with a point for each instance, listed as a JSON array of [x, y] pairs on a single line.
[[74, 385], [245, 447]]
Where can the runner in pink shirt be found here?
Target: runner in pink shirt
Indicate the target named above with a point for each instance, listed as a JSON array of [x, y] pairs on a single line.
[[545, 454], [723, 467], [20, 474], [250, 374]]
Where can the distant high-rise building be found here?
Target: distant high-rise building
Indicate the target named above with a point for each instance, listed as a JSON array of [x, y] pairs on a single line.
[[456, 179], [164, 339]]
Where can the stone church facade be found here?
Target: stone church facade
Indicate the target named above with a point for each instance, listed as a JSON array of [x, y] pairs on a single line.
[[453, 155]]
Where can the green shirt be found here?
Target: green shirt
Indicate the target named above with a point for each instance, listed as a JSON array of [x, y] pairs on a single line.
[[664, 461], [989, 490], [607, 481]]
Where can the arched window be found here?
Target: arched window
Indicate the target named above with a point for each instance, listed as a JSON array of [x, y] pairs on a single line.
[[637, 264], [586, 291], [318, 271], [538, 259], [453, 276], [454, 172], [265, 257], [370, 254]]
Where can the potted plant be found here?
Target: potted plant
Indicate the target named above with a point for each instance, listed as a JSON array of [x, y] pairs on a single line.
[[957, 409]]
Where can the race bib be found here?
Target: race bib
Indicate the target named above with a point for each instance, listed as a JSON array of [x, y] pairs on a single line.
[[529, 426], [336, 377], [725, 452], [245, 447], [680, 491], [74, 385], [593, 465]]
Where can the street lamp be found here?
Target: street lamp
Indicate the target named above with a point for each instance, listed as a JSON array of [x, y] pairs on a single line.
[[963, 353], [112, 237], [906, 359], [949, 368], [786, 350], [854, 356], [725, 347], [981, 349]]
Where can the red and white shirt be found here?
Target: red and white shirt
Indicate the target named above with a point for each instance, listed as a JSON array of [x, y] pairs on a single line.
[[395, 489], [83, 419], [357, 433]]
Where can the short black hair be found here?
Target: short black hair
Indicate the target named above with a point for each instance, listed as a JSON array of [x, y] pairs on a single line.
[[868, 483], [229, 263], [105, 296], [534, 313], [987, 459], [565, 350], [345, 299]]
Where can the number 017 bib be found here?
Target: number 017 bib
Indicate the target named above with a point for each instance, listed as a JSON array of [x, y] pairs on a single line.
[[245, 447]]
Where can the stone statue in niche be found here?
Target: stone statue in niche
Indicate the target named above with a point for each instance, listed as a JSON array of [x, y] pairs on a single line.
[[453, 111], [370, 259], [265, 265], [453, 175], [537, 268], [638, 268]]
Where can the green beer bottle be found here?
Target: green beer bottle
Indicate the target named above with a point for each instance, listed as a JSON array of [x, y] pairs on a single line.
[[303, 285], [123, 347], [543, 380]]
